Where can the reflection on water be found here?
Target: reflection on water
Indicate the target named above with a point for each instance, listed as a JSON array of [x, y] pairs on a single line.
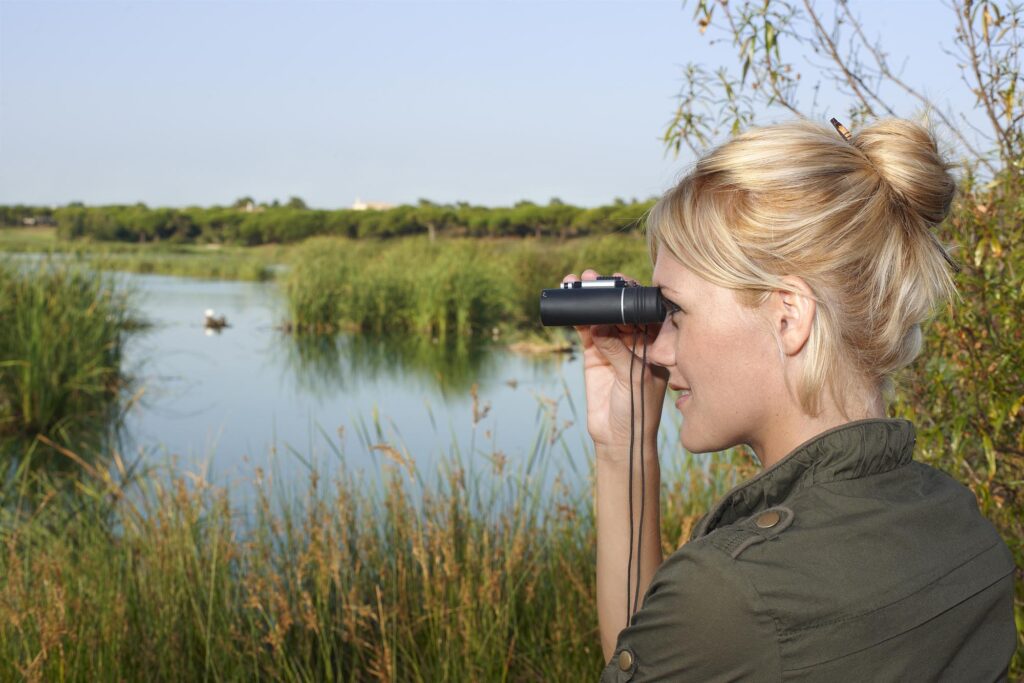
[[324, 364], [68, 445]]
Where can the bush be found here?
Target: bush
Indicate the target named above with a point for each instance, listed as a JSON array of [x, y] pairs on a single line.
[[967, 391]]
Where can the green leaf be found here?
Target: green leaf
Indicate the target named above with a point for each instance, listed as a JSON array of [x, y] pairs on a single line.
[[990, 455]]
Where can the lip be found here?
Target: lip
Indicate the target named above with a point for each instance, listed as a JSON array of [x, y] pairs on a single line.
[[683, 398]]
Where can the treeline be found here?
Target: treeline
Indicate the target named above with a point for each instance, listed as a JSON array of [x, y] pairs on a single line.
[[18, 215], [248, 224]]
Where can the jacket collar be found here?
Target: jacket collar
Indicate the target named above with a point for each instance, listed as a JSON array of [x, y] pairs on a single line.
[[849, 451]]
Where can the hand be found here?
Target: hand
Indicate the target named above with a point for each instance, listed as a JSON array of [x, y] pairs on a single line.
[[607, 353]]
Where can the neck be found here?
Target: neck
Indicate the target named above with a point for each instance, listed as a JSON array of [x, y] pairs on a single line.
[[792, 427]]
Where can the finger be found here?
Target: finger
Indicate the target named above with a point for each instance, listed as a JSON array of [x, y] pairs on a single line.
[[587, 331], [616, 349], [631, 336], [632, 328], [571, 277], [626, 278], [589, 274], [646, 333]]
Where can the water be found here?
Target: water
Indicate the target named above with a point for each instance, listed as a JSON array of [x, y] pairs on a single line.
[[220, 405]]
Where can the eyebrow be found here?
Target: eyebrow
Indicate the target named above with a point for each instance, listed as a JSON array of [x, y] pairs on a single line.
[[665, 287]]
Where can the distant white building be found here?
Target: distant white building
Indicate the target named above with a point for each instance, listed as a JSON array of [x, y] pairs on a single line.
[[360, 205]]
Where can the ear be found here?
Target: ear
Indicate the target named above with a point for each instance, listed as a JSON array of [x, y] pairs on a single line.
[[792, 313]]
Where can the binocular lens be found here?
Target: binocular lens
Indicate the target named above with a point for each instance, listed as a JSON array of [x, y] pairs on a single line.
[[617, 305]]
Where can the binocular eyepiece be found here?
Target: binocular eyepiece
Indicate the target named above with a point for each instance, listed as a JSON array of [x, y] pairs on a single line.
[[607, 300]]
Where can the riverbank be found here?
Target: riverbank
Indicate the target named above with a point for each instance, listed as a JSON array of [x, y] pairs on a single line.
[[185, 260]]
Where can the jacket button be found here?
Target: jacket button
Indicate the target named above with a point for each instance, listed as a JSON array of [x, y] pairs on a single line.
[[766, 520], [625, 660]]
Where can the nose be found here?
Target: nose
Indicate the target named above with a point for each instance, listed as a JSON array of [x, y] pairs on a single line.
[[663, 351]]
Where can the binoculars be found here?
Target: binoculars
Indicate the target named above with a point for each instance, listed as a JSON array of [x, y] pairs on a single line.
[[607, 300]]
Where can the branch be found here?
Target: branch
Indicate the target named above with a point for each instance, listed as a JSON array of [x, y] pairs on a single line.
[[858, 67], [967, 31], [883, 67], [760, 74], [826, 41]]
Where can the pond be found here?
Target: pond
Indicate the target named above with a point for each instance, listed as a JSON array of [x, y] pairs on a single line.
[[221, 404]]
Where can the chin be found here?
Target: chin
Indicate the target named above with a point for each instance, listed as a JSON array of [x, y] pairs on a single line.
[[696, 442]]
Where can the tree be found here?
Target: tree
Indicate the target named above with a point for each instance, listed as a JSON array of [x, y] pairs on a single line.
[[765, 33], [433, 217], [296, 203]]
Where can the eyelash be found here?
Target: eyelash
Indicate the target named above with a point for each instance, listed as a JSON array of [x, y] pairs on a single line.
[[672, 309]]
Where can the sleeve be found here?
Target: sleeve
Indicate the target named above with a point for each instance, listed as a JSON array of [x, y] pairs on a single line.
[[701, 620]]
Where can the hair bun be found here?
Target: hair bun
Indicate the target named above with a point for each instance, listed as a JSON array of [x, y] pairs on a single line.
[[907, 158]]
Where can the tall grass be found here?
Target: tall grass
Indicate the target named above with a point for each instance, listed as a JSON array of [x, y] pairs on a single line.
[[482, 572], [60, 350], [449, 288]]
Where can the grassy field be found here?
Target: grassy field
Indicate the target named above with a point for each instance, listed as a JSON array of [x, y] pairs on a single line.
[[27, 239], [164, 258]]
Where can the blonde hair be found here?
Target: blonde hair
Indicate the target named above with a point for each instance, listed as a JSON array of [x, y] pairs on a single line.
[[853, 219]]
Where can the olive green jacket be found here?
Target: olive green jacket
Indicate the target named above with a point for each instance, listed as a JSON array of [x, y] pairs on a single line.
[[845, 561]]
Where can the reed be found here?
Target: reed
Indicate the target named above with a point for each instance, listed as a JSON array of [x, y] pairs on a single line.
[[479, 570], [444, 288], [61, 333]]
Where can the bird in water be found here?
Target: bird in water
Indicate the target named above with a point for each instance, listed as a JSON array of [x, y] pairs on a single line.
[[214, 323]]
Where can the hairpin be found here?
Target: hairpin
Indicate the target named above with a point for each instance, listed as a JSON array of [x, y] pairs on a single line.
[[847, 135]]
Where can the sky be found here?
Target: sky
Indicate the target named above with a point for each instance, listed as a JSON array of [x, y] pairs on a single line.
[[198, 103]]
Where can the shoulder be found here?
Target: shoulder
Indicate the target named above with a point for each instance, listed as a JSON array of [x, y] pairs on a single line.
[[838, 567], [701, 620], [868, 559], [847, 547]]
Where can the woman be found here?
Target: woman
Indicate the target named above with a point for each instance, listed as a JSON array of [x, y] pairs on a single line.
[[797, 264]]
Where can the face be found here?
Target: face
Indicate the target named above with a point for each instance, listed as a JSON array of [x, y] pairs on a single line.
[[723, 358]]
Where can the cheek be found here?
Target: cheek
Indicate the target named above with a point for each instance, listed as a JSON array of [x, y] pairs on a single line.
[[732, 391], [731, 370]]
